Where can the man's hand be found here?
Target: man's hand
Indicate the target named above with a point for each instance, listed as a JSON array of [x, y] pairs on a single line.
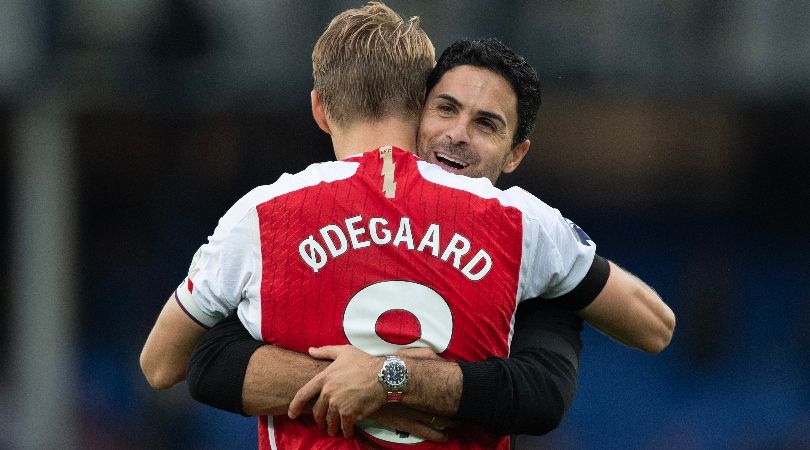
[[349, 389], [401, 418]]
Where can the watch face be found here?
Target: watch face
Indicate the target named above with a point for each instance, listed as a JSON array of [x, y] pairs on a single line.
[[395, 374]]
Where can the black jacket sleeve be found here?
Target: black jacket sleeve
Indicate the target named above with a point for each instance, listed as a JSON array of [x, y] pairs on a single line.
[[529, 392], [216, 371]]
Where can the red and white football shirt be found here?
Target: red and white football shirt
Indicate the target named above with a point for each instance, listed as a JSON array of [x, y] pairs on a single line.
[[382, 251]]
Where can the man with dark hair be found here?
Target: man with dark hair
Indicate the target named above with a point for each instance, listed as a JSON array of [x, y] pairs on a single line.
[[479, 61], [491, 54]]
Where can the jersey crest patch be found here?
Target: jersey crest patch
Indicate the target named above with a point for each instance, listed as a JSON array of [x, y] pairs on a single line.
[[580, 234]]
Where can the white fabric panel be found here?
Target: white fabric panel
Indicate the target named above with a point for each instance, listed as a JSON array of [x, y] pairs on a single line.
[[228, 268], [554, 258]]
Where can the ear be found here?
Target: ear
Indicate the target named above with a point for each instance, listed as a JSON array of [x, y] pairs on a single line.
[[318, 113], [516, 156]]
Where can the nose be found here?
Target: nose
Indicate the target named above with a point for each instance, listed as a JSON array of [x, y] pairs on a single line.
[[457, 132]]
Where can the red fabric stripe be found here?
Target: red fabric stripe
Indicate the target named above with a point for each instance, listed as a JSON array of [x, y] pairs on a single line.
[[264, 435]]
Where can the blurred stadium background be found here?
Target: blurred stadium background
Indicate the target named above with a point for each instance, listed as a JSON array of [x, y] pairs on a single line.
[[674, 132]]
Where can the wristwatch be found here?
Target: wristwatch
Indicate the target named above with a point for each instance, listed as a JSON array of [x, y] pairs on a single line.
[[394, 377]]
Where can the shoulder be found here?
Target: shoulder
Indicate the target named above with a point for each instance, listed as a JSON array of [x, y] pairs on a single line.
[[325, 172], [529, 205], [532, 207], [481, 187]]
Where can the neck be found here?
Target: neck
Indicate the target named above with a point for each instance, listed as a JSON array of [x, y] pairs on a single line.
[[364, 136]]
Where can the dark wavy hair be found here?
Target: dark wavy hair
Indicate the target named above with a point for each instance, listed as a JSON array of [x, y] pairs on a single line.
[[493, 55]]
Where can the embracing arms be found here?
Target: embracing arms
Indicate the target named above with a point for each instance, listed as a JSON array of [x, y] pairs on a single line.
[[527, 393], [236, 373], [536, 384]]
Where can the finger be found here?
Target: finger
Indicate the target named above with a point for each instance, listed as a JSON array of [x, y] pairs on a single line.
[[326, 352], [332, 421], [421, 430], [440, 423], [433, 435], [320, 412], [304, 396], [347, 425], [430, 434]]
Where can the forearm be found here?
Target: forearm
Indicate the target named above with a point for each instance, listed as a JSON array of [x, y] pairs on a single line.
[[232, 371], [631, 312], [527, 393], [273, 377], [434, 386]]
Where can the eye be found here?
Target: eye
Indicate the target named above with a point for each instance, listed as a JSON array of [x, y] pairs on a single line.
[[445, 109], [487, 125]]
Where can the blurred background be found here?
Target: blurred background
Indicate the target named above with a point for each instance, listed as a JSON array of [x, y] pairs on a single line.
[[674, 132]]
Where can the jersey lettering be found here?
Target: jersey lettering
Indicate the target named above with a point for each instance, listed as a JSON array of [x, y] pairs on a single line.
[[336, 240]]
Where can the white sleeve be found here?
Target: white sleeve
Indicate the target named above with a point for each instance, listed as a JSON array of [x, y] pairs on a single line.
[[572, 258], [557, 254], [223, 268]]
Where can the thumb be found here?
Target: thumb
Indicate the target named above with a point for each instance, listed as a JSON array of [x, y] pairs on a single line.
[[419, 352], [325, 352]]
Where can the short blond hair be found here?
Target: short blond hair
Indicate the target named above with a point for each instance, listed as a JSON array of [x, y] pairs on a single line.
[[369, 64]]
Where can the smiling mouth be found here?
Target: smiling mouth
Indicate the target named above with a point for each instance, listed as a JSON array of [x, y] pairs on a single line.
[[450, 162]]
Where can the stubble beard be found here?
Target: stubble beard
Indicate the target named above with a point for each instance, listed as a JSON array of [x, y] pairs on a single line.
[[475, 169]]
